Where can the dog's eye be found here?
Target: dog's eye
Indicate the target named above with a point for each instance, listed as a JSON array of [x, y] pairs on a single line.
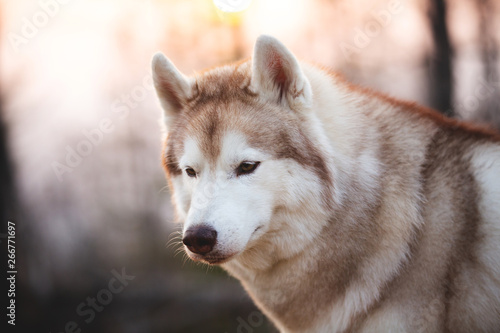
[[246, 167], [190, 172]]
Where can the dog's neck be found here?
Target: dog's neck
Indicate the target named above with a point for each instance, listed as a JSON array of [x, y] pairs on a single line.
[[320, 274]]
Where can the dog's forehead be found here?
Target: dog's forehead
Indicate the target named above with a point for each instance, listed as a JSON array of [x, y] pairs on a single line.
[[234, 149], [232, 124]]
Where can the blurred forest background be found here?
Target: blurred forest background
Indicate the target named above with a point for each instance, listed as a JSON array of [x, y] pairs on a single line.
[[87, 205]]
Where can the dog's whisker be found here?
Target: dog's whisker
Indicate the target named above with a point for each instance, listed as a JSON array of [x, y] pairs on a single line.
[[173, 241], [163, 189]]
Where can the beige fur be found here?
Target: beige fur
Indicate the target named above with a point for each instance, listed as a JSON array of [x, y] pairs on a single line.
[[365, 214]]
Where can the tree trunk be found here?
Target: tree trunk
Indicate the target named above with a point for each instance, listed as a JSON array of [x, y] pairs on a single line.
[[6, 181], [440, 62]]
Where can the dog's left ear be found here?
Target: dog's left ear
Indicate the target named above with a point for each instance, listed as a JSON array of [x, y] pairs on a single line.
[[277, 75]]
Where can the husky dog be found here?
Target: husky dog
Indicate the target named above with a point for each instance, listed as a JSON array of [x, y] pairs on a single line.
[[338, 209]]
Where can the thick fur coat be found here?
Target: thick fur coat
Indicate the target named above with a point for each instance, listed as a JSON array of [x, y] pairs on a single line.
[[339, 209]]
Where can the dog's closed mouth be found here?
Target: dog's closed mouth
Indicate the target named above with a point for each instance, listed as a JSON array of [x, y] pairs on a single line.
[[212, 258], [215, 260]]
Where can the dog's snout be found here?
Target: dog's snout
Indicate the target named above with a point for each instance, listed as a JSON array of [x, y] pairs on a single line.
[[200, 240]]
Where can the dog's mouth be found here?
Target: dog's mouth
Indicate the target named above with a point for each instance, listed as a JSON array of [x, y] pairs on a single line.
[[211, 258], [216, 260]]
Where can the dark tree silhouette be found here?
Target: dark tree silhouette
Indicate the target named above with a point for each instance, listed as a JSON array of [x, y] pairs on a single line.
[[6, 173], [440, 62], [7, 188]]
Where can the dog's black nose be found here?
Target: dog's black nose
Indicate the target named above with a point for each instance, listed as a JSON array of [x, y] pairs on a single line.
[[200, 240]]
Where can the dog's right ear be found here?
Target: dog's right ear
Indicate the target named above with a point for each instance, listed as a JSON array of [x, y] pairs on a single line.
[[172, 87]]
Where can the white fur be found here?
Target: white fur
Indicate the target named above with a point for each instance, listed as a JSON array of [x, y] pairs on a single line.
[[486, 163], [233, 206]]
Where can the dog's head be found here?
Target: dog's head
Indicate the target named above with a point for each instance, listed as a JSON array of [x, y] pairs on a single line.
[[242, 155]]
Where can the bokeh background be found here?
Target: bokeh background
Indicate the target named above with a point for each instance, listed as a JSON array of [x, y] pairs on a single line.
[[75, 80]]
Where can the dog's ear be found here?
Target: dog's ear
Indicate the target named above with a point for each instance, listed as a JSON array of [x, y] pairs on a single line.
[[276, 74], [172, 87]]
